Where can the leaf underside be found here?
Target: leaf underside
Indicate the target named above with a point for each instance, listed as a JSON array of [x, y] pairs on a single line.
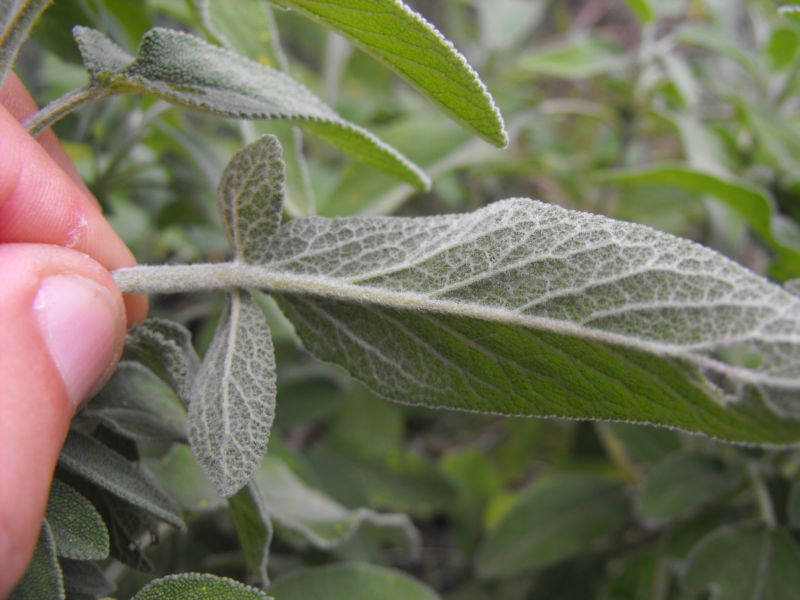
[[524, 308], [187, 71], [233, 401], [405, 42]]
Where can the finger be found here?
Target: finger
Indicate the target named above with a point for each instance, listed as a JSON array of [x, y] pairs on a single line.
[[63, 330], [18, 101], [39, 203]]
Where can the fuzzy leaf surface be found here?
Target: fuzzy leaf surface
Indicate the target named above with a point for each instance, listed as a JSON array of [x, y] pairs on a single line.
[[745, 562], [524, 308], [405, 42], [233, 402], [43, 577], [251, 197], [101, 465], [198, 586], [187, 71], [78, 529], [166, 348]]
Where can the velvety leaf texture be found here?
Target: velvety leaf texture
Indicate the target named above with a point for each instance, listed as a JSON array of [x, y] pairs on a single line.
[[42, 578], [407, 43], [188, 71], [198, 586], [525, 308], [78, 530], [233, 403], [103, 466], [166, 348], [251, 197]]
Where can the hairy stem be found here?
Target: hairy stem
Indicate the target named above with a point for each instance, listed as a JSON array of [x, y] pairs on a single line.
[[61, 107], [16, 22]]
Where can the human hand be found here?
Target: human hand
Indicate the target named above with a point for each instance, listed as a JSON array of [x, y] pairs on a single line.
[[62, 318]]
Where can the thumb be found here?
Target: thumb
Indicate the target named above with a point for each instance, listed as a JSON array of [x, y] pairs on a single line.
[[62, 325]]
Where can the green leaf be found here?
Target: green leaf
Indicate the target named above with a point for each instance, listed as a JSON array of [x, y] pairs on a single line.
[[683, 482], [101, 465], [793, 508], [166, 348], [321, 521], [190, 72], [137, 404], [83, 577], [558, 516], [782, 47], [405, 42], [198, 586], [743, 562], [575, 59], [254, 527], [78, 530], [182, 478], [17, 17], [751, 202], [642, 9], [524, 308], [42, 578], [645, 444], [790, 11], [233, 401], [251, 198], [131, 530], [351, 582]]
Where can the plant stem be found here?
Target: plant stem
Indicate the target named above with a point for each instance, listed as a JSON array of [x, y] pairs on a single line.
[[61, 107], [15, 28], [762, 497]]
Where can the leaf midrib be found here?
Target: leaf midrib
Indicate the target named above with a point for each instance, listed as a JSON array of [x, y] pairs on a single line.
[[186, 278]]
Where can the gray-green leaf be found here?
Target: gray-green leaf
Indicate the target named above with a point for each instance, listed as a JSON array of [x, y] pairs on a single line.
[[139, 405], [42, 578], [318, 519], [78, 530], [101, 465], [683, 482], [745, 562], [351, 582], [233, 401], [198, 586], [251, 196], [524, 308], [556, 517], [405, 42], [188, 71], [166, 348], [254, 527]]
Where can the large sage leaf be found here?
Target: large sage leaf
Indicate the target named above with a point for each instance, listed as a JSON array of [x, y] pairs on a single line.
[[524, 308], [745, 562], [103, 466], [78, 530], [190, 72], [404, 41], [351, 582], [233, 402]]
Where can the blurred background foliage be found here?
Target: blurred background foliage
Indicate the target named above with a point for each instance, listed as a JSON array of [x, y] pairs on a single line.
[[680, 114]]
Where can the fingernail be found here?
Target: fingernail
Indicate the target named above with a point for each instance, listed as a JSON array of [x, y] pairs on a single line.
[[80, 322]]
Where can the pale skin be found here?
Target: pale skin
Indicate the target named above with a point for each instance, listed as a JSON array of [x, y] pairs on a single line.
[[62, 318]]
